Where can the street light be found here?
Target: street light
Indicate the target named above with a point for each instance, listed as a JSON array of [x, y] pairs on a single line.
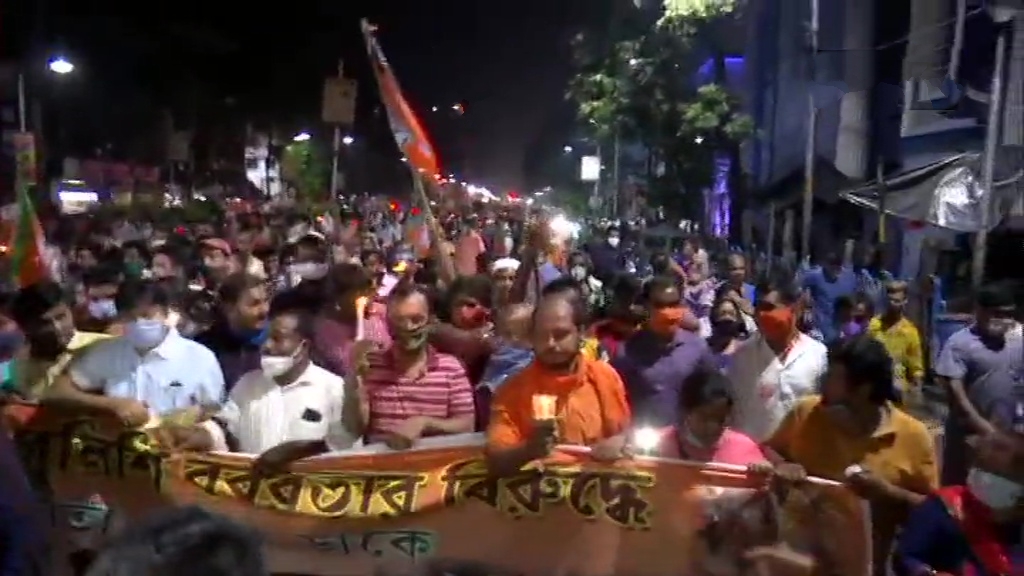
[[348, 140], [567, 149], [301, 137], [61, 66]]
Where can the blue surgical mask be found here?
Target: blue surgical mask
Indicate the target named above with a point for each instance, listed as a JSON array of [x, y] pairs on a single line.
[[103, 309], [146, 334]]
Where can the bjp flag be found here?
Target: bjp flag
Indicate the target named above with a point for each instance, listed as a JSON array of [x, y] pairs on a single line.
[[409, 133], [25, 244]]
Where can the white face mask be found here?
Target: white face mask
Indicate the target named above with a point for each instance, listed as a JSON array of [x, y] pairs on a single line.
[[613, 241], [579, 273], [274, 366], [146, 334], [995, 491], [308, 270]]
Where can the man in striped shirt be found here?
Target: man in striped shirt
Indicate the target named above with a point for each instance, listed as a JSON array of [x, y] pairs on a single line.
[[409, 389]]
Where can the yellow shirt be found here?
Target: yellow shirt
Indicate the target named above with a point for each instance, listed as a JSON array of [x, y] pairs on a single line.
[[32, 377], [903, 341], [901, 451]]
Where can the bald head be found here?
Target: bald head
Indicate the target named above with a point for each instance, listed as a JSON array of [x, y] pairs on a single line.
[[562, 305]]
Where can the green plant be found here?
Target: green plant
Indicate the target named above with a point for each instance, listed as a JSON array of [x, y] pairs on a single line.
[[638, 82]]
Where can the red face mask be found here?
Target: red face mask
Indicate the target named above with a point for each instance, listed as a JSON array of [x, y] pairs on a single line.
[[777, 325], [666, 320], [471, 317]]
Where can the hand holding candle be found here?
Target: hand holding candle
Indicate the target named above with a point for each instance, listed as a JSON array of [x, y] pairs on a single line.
[[544, 406], [361, 304]]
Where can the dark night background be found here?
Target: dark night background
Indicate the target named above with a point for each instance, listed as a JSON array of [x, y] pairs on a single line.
[[222, 63]]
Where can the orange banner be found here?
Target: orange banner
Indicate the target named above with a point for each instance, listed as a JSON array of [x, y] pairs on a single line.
[[361, 511]]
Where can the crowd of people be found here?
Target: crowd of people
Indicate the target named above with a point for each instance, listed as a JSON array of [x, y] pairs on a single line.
[[294, 338]]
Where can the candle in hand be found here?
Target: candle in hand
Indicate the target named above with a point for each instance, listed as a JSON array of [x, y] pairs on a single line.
[[544, 406], [361, 304]]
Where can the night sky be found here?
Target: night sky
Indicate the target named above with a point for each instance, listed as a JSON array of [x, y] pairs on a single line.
[[508, 62]]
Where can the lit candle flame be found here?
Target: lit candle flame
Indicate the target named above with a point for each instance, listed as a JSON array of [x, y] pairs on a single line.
[[361, 304], [544, 406], [646, 439]]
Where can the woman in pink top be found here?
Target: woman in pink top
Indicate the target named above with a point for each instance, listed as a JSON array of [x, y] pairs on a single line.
[[703, 433]]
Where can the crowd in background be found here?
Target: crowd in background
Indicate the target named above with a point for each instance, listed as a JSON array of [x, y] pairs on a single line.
[[294, 336]]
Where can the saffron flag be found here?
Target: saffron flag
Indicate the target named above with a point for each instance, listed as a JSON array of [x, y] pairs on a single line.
[[409, 133], [25, 242]]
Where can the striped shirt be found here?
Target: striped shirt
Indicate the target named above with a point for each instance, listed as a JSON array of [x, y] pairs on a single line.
[[441, 391]]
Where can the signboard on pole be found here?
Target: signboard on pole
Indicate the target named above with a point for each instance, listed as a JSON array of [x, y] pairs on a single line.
[[25, 158], [339, 101], [590, 168]]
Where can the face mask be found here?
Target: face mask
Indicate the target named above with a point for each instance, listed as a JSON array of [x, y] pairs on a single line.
[[666, 320], [308, 270], [411, 340], [275, 366], [729, 328], [472, 317], [133, 269], [145, 334], [851, 329], [776, 325], [103, 309], [995, 491], [613, 241], [579, 273]]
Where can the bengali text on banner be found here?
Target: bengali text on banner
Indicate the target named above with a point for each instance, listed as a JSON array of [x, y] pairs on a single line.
[[360, 511]]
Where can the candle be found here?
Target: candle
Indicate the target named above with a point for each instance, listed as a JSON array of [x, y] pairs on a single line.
[[361, 303], [544, 406]]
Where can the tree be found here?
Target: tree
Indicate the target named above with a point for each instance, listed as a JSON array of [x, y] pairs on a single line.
[[307, 167], [638, 82]]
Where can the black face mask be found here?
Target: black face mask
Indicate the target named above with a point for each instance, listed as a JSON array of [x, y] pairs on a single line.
[[727, 328]]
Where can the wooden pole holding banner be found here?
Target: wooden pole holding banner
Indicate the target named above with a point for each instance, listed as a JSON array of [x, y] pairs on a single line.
[[995, 120]]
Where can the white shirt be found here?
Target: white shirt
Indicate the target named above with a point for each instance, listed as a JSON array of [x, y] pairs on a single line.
[[765, 388], [261, 413], [179, 373]]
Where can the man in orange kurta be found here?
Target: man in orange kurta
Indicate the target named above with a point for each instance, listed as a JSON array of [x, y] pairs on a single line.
[[590, 399]]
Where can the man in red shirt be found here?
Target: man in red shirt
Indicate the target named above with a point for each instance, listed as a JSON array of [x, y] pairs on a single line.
[[409, 390]]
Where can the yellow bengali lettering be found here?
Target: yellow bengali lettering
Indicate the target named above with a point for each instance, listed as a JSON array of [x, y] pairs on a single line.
[[614, 495]]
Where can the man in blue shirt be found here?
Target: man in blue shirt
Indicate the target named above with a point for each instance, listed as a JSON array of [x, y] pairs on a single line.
[[825, 285]]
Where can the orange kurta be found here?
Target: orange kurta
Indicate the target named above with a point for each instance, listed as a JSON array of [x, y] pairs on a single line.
[[591, 404]]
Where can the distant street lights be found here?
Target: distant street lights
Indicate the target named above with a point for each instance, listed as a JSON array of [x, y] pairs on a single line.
[[348, 140], [60, 66], [301, 137], [567, 149]]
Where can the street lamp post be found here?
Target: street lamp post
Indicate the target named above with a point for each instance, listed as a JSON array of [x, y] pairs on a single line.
[[57, 65]]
